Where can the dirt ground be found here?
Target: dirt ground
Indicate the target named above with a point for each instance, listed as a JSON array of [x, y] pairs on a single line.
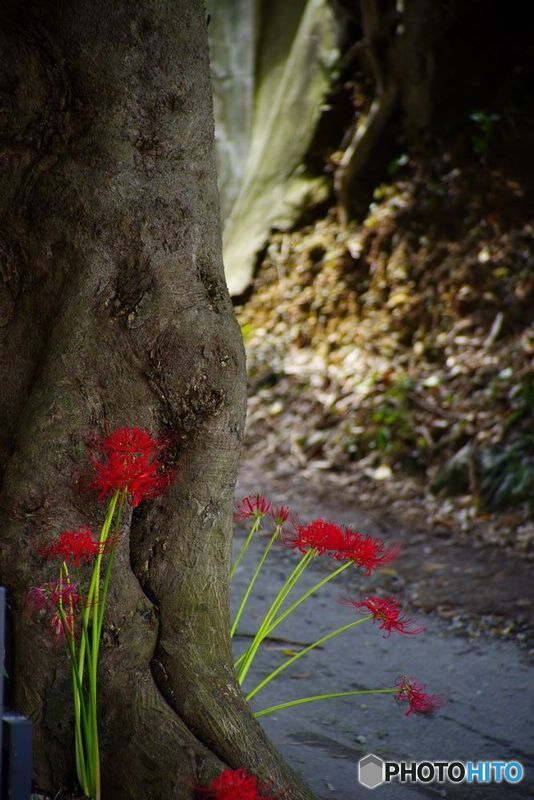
[[393, 357], [475, 587]]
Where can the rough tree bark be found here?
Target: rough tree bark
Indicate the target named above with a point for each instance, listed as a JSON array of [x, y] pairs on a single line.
[[114, 311]]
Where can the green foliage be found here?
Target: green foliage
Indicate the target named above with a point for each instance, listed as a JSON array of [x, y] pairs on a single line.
[[389, 430], [507, 475], [523, 400], [507, 470]]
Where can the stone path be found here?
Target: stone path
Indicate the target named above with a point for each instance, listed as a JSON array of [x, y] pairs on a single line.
[[487, 683]]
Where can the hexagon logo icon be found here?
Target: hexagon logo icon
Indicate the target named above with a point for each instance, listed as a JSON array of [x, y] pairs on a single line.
[[371, 771]]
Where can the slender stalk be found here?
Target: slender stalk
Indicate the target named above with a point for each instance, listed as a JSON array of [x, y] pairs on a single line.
[[95, 577], [107, 573], [292, 607], [284, 591], [77, 683], [298, 655], [77, 692], [254, 578], [81, 769], [280, 597], [256, 525], [273, 610], [83, 650], [94, 593], [317, 697], [307, 594]]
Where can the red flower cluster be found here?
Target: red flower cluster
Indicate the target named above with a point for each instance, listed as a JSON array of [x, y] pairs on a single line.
[[342, 544], [419, 702], [73, 547], [131, 459], [252, 506], [319, 535], [367, 552], [387, 612], [234, 784]]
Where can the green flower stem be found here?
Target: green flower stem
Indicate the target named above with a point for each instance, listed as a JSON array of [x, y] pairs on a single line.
[[93, 607], [80, 713], [315, 698], [256, 525], [294, 658], [253, 579], [81, 769], [273, 610], [85, 648], [79, 705], [95, 577], [107, 573], [307, 594], [300, 600]]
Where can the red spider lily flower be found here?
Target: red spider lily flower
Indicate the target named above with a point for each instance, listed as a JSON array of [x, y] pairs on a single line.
[[65, 595], [234, 784], [387, 612], [419, 702], [342, 544], [319, 535], [73, 547], [51, 595], [366, 552], [130, 459], [280, 515], [252, 506]]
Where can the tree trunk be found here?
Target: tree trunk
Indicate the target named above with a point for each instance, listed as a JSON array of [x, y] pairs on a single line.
[[114, 311], [398, 46], [378, 21]]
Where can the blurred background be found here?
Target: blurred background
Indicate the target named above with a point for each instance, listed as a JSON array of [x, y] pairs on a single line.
[[375, 167], [376, 174]]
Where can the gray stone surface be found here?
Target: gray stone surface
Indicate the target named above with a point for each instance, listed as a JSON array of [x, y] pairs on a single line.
[[487, 684]]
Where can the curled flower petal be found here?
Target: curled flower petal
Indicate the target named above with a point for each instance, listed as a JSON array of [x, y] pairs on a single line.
[[366, 551], [38, 598], [252, 506], [419, 702], [65, 595], [387, 612], [319, 535], [280, 514], [53, 594], [342, 544]]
